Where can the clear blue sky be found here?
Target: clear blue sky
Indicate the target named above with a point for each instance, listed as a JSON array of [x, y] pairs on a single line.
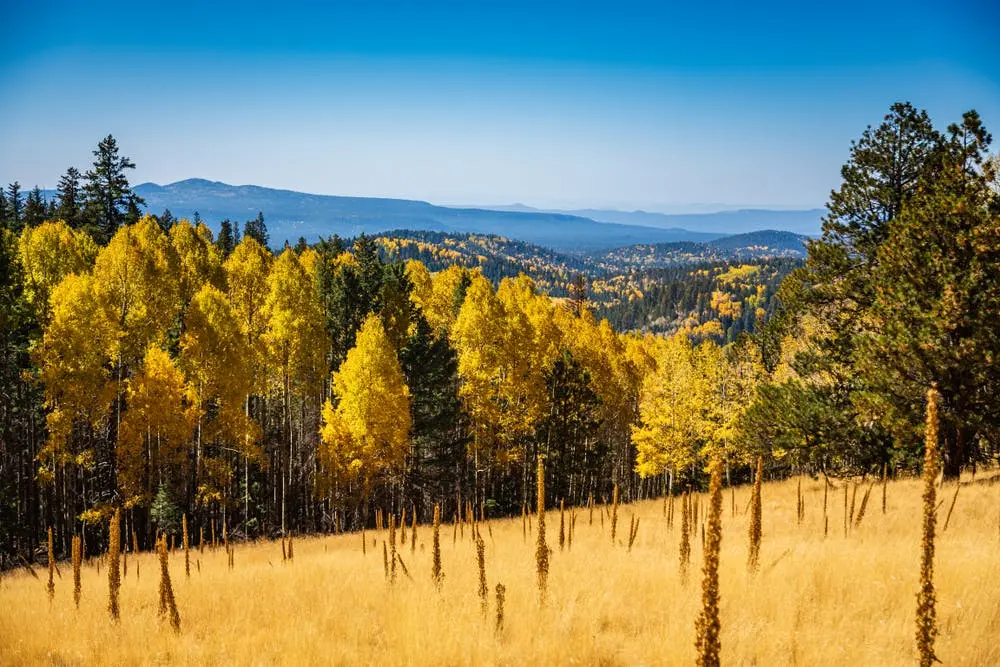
[[623, 104]]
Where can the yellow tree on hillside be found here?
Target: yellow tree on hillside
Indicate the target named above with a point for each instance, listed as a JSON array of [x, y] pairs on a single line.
[[155, 431], [247, 270], [48, 253], [219, 380], [135, 280], [296, 346], [440, 304], [421, 284], [481, 342], [532, 343], [198, 259], [671, 410], [73, 369], [366, 434]]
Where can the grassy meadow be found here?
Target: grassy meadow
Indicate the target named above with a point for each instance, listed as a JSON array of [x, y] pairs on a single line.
[[816, 600]]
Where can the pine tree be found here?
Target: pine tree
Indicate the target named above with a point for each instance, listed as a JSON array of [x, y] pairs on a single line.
[[225, 242], [34, 208], [70, 197], [15, 205], [256, 229], [108, 195], [430, 367], [166, 220]]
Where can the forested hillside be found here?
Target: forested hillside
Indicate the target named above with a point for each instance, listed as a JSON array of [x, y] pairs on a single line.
[[707, 291], [150, 365]]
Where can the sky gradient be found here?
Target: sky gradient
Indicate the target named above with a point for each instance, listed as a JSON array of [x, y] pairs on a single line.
[[624, 105]]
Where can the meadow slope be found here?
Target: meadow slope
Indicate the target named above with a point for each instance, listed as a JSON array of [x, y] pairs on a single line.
[[833, 600]]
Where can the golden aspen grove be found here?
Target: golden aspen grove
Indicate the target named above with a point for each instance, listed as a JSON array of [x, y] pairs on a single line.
[[402, 431]]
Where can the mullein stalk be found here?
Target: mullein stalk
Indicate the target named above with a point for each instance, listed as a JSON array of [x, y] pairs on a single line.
[[926, 598], [77, 559], [114, 574], [437, 575], [708, 626], [51, 587], [753, 556], [541, 548]]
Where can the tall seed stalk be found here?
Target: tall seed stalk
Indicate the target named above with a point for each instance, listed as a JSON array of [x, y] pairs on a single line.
[[501, 594], [753, 555], [826, 495], [187, 546], [562, 525], [541, 548], [708, 627], [77, 559], [685, 549], [392, 549], [168, 605], [484, 593], [614, 515], [885, 481], [114, 574], [413, 532], [436, 574], [51, 587], [926, 598]]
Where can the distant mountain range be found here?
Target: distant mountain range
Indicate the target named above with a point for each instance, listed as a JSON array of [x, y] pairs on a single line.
[[741, 221], [291, 214]]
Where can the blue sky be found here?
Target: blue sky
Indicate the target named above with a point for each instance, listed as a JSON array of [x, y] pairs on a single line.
[[617, 104]]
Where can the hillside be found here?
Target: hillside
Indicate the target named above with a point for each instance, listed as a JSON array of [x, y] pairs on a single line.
[[716, 290], [290, 215], [766, 244]]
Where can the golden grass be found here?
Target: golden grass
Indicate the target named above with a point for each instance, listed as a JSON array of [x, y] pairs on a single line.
[[838, 601]]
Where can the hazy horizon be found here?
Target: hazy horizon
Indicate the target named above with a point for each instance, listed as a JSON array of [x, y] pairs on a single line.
[[638, 107]]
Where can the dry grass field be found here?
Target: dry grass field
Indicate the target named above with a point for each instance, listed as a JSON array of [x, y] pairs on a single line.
[[816, 600]]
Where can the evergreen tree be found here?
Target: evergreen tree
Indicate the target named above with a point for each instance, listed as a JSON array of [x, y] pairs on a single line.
[[301, 245], [4, 210], [569, 429], [256, 229], [225, 243], [34, 208], [15, 207], [70, 197], [166, 220], [164, 512], [110, 201], [438, 433], [937, 276]]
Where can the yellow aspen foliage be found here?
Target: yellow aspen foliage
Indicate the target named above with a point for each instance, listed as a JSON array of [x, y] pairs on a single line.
[[670, 410], [367, 433], [296, 335], [155, 430], [483, 344], [441, 307], [135, 279], [421, 284], [218, 372], [198, 259], [612, 366], [247, 270], [311, 261], [73, 367], [48, 253]]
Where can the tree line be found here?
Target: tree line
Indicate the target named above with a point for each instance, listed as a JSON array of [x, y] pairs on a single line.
[[154, 366]]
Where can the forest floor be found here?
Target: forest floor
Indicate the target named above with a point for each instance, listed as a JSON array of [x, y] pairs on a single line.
[[817, 599]]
